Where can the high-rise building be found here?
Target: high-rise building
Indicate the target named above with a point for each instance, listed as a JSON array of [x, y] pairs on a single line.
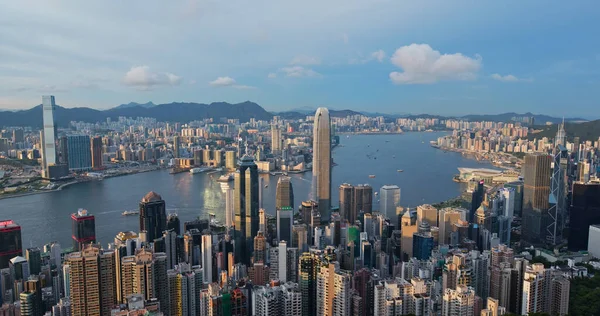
[[34, 260], [389, 200], [448, 217], [10, 242], [207, 264], [544, 291], [49, 157], [246, 208], [153, 218], [321, 169], [96, 152], [536, 191], [408, 229], [354, 200], [561, 135], [83, 227], [422, 242], [517, 186], [333, 291], [285, 221], [230, 159], [276, 141], [307, 279], [176, 147], [427, 213], [173, 223], [557, 211], [459, 302], [80, 155], [584, 211], [284, 195], [346, 202], [91, 281]]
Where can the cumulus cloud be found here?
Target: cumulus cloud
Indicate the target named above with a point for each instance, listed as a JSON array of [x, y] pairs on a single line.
[[222, 82], [298, 71], [272, 75], [305, 60], [228, 82], [378, 55], [509, 78], [421, 64], [143, 78]]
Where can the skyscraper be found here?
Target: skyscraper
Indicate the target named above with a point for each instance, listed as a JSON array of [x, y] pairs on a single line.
[[83, 228], [333, 291], [561, 135], [362, 199], [285, 220], [346, 202], [584, 211], [284, 195], [176, 146], [49, 157], [307, 279], [275, 139], [389, 200], [80, 155], [34, 260], [427, 213], [557, 210], [173, 223], [207, 263], [153, 218], [10, 242], [322, 162], [536, 191], [459, 302], [245, 208], [96, 152]]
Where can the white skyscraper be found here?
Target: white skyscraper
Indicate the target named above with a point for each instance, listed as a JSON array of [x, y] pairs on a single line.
[[48, 135], [282, 260], [207, 258], [321, 165], [389, 199]]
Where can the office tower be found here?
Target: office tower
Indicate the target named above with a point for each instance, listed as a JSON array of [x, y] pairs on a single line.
[[34, 260], [19, 268], [459, 302], [176, 147], [584, 211], [229, 207], [17, 136], [245, 208], [561, 135], [321, 169], [408, 228], [91, 281], [333, 291], [230, 160], [260, 248], [307, 279], [557, 212], [207, 264], [285, 220], [153, 218], [10, 242], [389, 200], [83, 227], [96, 152], [346, 203], [536, 191], [422, 242], [427, 213], [275, 139], [362, 199], [284, 195], [143, 278], [31, 298], [448, 217], [477, 196], [161, 282], [49, 157], [182, 289], [173, 223], [80, 155], [63, 149], [517, 186]]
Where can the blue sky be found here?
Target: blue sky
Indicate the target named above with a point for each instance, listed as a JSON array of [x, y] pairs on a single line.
[[391, 56]]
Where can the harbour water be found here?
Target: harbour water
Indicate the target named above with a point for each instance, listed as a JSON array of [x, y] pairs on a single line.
[[426, 178]]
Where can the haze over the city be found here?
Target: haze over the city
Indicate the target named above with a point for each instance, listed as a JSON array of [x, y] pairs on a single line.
[[437, 57]]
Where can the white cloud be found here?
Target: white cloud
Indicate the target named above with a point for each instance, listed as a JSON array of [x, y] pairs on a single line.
[[222, 82], [143, 78], [421, 64], [299, 71], [509, 78], [305, 60], [272, 75], [229, 82], [378, 55]]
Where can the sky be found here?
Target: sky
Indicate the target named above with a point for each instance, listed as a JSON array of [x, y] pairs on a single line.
[[390, 56]]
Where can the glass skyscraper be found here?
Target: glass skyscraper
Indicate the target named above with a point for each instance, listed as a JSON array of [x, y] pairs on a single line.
[[321, 165], [79, 152], [245, 209]]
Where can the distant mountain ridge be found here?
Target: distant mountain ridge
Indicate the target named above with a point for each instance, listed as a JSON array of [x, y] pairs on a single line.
[[585, 131], [134, 104]]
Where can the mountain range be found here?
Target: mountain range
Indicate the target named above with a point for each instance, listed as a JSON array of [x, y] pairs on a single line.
[[187, 111]]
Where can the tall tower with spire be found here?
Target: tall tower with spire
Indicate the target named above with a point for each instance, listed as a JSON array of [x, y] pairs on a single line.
[[322, 162], [561, 135]]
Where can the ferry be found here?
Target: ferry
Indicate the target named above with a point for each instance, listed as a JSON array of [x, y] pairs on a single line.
[[400, 170], [371, 176], [198, 170], [129, 213], [376, 193], [225, 178]]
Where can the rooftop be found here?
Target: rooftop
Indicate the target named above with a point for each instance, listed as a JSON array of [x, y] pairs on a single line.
[[151, 197]]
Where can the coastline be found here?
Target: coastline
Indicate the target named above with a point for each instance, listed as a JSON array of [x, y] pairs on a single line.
[[483, 157], [67, 184]]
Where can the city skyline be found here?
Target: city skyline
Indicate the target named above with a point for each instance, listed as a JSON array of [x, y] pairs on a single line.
[[475, 58]]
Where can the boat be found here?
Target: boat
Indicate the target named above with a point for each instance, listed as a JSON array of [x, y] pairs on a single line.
[[371, 176], [376, 193], [266, 186], [198, 170], [400, 170], [225, 178], [129, 213]]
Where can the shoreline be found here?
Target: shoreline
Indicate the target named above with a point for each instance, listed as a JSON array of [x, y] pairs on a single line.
[[70, 183], [475, 155]]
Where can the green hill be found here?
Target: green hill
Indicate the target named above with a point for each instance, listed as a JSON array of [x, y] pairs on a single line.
[[585, 131]]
